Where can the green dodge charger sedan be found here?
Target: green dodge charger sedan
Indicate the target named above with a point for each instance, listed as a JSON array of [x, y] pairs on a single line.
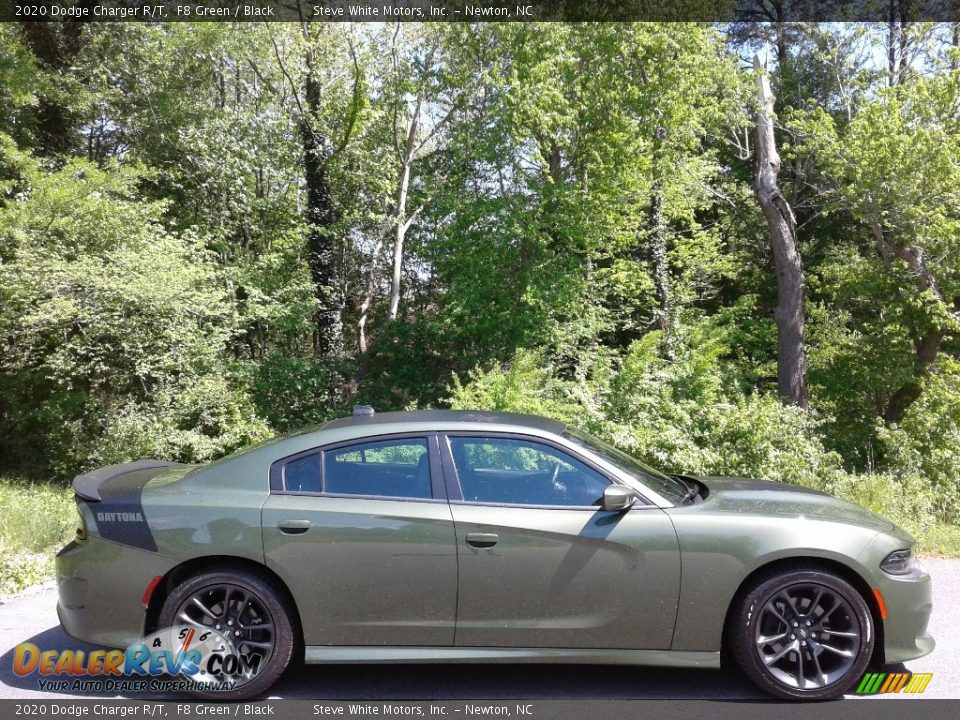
[[484, 537]]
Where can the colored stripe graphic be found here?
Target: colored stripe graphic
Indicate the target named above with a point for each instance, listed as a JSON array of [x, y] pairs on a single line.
[[918, 683], [900, 682], [870, 683], [893, 683]]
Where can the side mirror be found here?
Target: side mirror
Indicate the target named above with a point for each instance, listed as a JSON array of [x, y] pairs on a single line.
[[617, 498]]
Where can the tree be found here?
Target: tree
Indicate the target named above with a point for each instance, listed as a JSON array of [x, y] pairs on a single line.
[[329, 65], [894, 169], [416, 99], [57, 117], [782, 226]]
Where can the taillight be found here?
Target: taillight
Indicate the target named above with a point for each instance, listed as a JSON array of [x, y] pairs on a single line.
[[82, 530]]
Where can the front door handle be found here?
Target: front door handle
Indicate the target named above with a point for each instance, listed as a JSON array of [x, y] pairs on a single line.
[[482, 540], [293, 527]]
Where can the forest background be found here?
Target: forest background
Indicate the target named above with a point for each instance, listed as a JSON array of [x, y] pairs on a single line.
[[212, 233]]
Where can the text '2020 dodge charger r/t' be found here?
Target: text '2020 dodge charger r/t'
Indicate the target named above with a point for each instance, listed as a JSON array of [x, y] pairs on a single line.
[[488, 537]]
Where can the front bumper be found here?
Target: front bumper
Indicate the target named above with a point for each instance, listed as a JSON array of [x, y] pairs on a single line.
[[909, 604], [101, 586]]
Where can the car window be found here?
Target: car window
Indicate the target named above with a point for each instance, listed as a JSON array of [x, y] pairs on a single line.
[[387, 468], [522, 472], [302, 474], [669, 488]]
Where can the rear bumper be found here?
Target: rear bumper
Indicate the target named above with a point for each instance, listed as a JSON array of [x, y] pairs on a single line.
[[909, 605], [100, 585]]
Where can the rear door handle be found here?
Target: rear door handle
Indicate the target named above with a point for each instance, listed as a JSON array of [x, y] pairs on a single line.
[[482, 540], [293, 527]]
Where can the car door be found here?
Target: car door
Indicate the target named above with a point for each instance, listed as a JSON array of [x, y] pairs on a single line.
[[362, 534], [541, 564]]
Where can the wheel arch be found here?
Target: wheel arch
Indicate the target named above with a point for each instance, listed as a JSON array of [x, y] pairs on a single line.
[[807, 562], [221, 563]]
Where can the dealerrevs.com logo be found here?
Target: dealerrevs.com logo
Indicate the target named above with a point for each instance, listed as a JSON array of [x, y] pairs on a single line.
[[178, 659]]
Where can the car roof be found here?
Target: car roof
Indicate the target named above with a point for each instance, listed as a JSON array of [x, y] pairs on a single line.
[[358, 427], [444, 419]]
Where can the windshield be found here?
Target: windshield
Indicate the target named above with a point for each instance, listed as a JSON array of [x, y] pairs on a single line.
[[664, 485]]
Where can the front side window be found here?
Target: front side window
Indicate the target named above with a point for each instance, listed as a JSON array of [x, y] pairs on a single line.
[[523, 472], [387, 468], [668, 487]]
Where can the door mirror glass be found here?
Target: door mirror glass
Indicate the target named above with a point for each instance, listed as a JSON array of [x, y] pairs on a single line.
[[618, 497]]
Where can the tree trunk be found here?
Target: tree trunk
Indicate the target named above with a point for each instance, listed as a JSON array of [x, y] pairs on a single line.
[[897, 43], [371, 290], [55, 46], [789, 316], [322, 251], [661, 268], [904, 396], [927, 341], [400, 233], [402, 222]]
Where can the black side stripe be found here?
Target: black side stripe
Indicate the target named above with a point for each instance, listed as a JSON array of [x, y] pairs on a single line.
[[119, 514]]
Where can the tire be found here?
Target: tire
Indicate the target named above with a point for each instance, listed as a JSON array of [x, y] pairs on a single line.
[[802, 634], [222, 593]]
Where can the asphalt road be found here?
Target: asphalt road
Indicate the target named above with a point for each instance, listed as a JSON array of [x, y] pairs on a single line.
[[31, 617]]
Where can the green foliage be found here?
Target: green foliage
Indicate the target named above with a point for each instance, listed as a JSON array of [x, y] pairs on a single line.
[[926, 445], [127, 317], [523, 385], [583, 242], [19, 75], [194, 423], [291, 393], [683, 416], [686, 418], [36, 520]]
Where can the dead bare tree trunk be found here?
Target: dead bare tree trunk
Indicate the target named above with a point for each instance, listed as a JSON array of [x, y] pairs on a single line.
[[367, 300], [371, 288], [402, 222], [789, 315]]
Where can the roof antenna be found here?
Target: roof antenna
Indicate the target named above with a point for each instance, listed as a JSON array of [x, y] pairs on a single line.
[[362, 411]]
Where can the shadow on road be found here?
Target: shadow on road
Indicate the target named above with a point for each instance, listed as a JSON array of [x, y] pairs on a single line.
[[441, 682]]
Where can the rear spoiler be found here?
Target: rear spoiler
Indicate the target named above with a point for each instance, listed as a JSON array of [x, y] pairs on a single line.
[[88, 484]]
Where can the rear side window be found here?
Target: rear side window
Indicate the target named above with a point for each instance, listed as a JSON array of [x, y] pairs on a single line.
[[302, 474], [389, 468], [398, 468]]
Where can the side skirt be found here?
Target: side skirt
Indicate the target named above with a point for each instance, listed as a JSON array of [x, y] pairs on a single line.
[[318, 654]]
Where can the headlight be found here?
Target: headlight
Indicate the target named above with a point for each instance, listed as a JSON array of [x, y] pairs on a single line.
[[899, 562]]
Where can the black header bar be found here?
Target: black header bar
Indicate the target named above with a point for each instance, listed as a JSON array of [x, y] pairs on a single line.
[[707, 11]]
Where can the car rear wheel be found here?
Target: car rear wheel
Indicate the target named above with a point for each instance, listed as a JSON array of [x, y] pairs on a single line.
[[802, 634], [246, 610]]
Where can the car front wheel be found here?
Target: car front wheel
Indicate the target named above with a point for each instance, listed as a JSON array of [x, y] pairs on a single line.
[[250, 614], [802, 634]]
